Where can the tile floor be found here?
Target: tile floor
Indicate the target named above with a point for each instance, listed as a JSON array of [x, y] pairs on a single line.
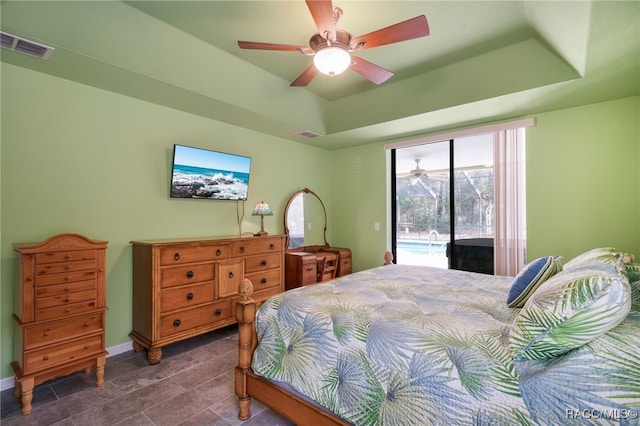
[[192, 385]]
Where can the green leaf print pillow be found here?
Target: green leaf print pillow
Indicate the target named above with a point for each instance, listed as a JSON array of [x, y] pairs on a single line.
[[569, 310]]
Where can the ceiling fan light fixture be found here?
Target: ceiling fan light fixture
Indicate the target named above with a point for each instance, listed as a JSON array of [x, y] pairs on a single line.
[[332, 60]]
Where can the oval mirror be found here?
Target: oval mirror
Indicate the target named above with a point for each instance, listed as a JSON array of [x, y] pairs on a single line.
[[305, 220]]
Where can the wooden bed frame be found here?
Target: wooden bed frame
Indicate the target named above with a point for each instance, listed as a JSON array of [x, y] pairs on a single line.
[[249, 385]]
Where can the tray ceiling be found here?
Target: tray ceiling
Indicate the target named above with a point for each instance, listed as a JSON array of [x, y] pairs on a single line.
[[483, 61]]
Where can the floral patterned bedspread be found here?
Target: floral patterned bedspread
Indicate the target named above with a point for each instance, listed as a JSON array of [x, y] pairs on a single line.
[[412, 345]]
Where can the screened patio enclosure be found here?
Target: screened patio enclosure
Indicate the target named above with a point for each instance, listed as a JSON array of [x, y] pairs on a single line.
[[444, 201]]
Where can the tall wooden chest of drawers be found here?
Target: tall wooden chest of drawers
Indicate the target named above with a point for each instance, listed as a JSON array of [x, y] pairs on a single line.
[[186, 287], [60, 301]]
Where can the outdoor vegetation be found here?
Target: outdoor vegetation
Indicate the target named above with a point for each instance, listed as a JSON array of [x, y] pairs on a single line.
[[424, 206]]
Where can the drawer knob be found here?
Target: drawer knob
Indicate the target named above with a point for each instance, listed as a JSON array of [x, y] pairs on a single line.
[[67, 310], [263, 263], [46, 333], [67, 278], [67, 257], [309, 269], [242, 249], [218, 252], [272, 246], [263, 281], [86, 346], [29, 279], [45, 358], [86, 324], [189, 296], [176, 323], [67, 289], [218, 312], [68, 267], [190, 274], [230, 274], [176, 257]]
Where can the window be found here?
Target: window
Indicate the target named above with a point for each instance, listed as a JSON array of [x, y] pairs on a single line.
[[458, 199]]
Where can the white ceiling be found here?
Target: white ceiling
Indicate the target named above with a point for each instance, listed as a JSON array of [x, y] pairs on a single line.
[[483, 61]]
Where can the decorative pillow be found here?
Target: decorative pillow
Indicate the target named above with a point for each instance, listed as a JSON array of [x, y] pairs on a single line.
[[530, 277], [569, 310], [604, 259], [635, 296], [633, 271], [597, 254]]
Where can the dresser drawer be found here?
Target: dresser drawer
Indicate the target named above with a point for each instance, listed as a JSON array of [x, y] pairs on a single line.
[[192, 318], [62, 267], [184, 297], [62, 289], [178, 255], [65, 256], [189, 274], [264, 279], [229, 277], [45, 334], [256, 246], [65, 299], [62, 353], [65, 310], [262, 262], [345, 266], [66, 278]]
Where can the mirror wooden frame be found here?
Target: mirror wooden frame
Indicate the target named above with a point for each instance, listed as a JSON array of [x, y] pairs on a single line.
[[286, 215]]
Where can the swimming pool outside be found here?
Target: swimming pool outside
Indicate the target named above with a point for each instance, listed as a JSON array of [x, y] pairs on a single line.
[[427, 253]]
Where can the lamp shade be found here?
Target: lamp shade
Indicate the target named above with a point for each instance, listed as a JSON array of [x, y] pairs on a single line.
[[262, 209], [332, 60]]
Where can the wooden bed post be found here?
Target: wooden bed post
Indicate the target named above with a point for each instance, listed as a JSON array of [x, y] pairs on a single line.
[[245, 315]]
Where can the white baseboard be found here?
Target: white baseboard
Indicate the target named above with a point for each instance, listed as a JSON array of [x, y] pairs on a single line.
[[8, 382]]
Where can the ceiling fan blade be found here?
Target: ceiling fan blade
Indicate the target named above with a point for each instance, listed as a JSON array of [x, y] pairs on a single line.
[[273, 46], [406, 30], [306, 77], [373, 72], [322, 13]]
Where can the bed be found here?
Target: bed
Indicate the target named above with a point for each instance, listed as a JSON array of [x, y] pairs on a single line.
[[410, 345]]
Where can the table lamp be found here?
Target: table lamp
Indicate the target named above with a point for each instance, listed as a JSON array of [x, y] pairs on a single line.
[[262, 209]]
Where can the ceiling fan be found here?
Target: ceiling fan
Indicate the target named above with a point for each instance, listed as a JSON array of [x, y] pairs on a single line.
[[331, 47], [418, 172]]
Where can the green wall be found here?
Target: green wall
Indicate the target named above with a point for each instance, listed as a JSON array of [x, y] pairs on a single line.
[[583, 185], [583, 179], [79, 159], [359, 201]]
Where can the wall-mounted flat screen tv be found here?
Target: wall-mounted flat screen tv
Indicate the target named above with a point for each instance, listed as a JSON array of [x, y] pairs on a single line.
[[206, 174]]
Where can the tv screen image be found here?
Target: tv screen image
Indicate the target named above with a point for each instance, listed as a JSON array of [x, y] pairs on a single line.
[[202, 173]]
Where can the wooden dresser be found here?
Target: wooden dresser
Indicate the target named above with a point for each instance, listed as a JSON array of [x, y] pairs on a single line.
[[186, 287], [60, 302], [303, 265]]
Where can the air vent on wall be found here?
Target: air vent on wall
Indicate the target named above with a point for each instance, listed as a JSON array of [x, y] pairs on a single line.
[[308, 134], [28, 47]]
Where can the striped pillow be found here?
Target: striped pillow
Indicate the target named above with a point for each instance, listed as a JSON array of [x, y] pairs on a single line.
[[569, 310], [530, 277]]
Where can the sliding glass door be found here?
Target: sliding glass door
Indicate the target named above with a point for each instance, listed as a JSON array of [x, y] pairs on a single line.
[[444, 204]]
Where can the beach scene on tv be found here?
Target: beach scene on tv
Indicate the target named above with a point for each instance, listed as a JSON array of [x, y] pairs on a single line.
[[201, 173]]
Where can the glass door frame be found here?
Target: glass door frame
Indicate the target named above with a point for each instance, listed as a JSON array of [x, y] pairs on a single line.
[[452, 211]]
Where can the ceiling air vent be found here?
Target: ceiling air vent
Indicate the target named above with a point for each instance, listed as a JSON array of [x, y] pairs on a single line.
[[28, 47], [308, 134]]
